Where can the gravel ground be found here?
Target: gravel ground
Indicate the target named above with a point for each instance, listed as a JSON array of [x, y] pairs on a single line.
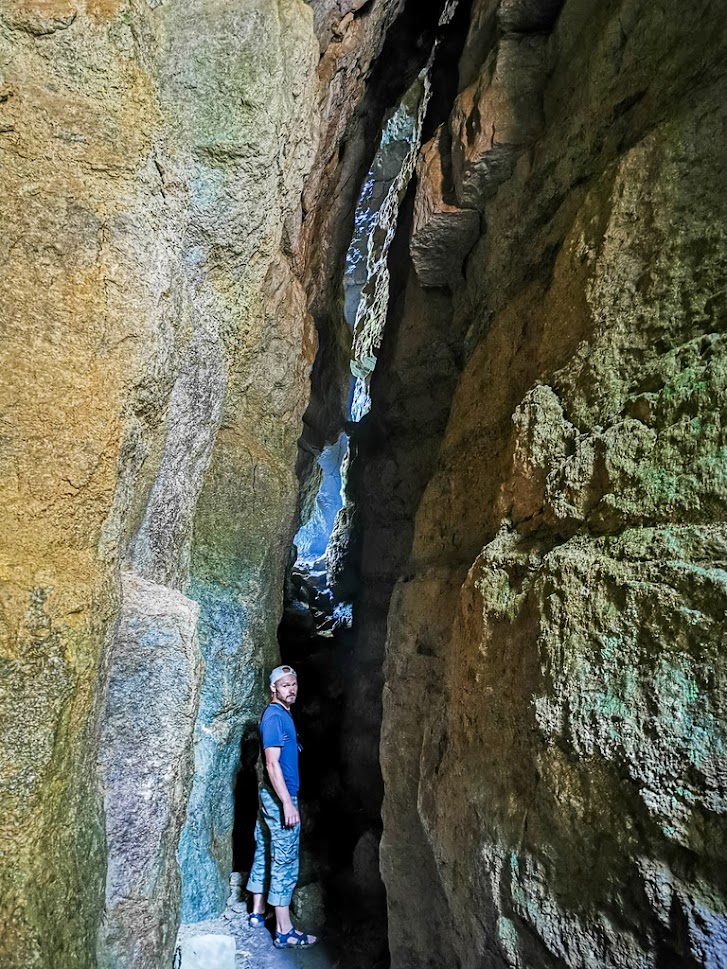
[[255, 949]]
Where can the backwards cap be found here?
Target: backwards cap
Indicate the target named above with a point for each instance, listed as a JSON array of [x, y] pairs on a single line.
[[281, 671]]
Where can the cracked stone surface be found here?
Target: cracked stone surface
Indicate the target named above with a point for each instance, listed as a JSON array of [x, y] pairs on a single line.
[[177, 185]]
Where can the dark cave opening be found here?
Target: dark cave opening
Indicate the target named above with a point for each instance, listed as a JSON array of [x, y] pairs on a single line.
[[336, 841], [339, 886]]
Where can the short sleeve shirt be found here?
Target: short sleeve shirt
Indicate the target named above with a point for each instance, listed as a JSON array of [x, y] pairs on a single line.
[[277, 729]]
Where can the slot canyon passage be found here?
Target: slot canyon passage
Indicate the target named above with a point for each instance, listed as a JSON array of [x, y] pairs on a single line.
[[386, 337]]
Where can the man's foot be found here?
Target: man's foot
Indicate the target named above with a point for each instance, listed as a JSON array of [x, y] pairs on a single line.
[[256, 919], [294, 939]]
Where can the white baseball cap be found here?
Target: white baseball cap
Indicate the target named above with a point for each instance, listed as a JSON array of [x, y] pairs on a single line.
[[281, 671]]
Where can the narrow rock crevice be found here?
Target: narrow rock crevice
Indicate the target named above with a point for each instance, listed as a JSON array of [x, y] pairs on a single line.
[[466, 473]]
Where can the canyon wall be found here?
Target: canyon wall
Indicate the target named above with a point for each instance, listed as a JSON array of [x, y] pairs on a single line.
[[555, 719], [157, 351], [168, 274], [541, 479]]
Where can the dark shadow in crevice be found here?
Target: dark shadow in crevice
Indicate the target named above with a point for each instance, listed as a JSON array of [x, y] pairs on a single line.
[[342, 826], [333, 821], [444, 73], [246, 787], [406, 48]]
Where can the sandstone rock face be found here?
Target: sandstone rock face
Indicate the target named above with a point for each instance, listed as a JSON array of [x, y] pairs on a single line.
[[164, 246], [156, 364], [178, 186], [146, 766], [77, 161], [554, 715], [442, 233]]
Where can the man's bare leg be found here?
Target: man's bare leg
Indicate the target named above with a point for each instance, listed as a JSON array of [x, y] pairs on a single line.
[[283, 924], [258, 904], [282, 918]]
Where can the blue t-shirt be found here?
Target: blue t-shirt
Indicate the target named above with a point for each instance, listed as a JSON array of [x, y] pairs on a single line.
[[277, 729]]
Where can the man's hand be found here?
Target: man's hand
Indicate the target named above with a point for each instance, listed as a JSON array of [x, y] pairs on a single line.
[[290, 813]]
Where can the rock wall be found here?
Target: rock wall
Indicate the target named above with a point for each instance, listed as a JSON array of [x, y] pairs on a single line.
[[554, 724], [157, 354], [179, 188], [79, 117], [168, 261]]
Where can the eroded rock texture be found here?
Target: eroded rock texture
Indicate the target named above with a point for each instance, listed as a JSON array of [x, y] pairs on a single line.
[[157, 356], [145, 760], [554, 710], [179, 182], [167, 261]]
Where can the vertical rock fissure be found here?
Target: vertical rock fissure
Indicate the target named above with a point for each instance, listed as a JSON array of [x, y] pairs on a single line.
[[404, 128], [340, 880], [510, 629], [332, 624]]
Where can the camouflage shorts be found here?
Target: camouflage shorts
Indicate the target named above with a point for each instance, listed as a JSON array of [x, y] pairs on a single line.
[[275, 867]]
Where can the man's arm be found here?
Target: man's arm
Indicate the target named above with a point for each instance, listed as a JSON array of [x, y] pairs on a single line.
[[275, 773]]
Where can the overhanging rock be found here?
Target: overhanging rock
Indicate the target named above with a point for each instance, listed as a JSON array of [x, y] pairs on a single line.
[[497, 117], [443, 233]]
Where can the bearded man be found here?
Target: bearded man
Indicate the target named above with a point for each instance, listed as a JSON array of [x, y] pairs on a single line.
[[277, 831]]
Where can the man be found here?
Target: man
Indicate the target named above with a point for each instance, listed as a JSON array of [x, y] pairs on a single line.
[[277, 831]]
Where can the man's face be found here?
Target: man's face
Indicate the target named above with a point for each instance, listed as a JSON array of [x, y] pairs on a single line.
[[286, 689]]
